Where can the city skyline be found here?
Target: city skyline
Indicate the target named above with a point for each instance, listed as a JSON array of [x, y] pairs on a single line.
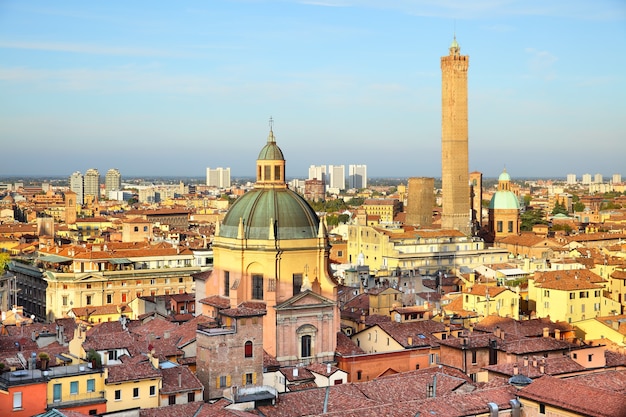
[[170, 89]]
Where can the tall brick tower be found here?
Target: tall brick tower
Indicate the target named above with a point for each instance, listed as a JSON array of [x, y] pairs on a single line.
[[454, 138]]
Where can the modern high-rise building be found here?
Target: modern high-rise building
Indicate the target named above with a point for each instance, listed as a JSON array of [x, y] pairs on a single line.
[[586, 179], [571, 179], [318, 172], [337, 176], [218, 177], [617, 178], [598, 179], [454, 141], [112, 181], [357, 176], [92, 184], [77, 186]]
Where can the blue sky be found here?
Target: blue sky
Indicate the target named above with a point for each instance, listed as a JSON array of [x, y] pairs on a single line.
[[170, 88]]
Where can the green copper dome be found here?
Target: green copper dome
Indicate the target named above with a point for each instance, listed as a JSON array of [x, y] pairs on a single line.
[[502, 200], [271, 151], [292, 216], [504, 176]]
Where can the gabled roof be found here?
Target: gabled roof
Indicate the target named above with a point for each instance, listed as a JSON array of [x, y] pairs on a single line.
[[216, 301], [568, 280], [580, 398], [179, 379], [483, 290], [136, 368], [305, 299], [521, 328], [346, 347], [411, 334]]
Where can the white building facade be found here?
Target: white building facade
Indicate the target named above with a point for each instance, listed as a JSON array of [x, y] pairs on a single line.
[[218, 177], [357, 176]]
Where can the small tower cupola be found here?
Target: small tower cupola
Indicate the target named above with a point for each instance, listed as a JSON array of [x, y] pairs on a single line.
[[270, 164], [455, 49]]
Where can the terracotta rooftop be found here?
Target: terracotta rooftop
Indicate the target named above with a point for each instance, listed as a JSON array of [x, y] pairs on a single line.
[[177, 410], [303, 374], [269, 361], [243, 312], [612, 380], [481, 290], [420, 332], [399, 395], [134, 369], [521, 328], [471, 341], [580, 399], [216, 301], [322, 369], [179, 379], [552, 365], [536, 345], [568, 280], [372, 319], [101, 310], [346, 347]]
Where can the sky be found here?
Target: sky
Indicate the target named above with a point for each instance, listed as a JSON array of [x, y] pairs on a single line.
[[169, 88]]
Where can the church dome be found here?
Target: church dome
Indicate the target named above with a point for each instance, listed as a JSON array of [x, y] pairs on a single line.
[[292, 216], [504, 176], [271, 151], [504, 200], [271, 210]]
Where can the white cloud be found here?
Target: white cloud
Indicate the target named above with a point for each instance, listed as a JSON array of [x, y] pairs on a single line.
[[89, 49]]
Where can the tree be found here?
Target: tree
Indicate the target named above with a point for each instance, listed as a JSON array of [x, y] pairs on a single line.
[[343, 218], [527, 200], [4, 261], [559, 208], [332, 220], [532, 217], [355, 201], [610, 206], [579, 206], [566, 227]]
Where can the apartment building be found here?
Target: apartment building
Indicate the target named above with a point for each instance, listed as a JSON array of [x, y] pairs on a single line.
[[408, 248]]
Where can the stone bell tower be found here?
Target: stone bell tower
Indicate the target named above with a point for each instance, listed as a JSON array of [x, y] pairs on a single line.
[[454, 141]]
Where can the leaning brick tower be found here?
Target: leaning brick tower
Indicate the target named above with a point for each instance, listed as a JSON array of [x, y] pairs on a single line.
[[454, 141]]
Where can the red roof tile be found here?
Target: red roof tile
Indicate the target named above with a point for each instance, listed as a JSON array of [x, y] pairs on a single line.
[[550, 390]]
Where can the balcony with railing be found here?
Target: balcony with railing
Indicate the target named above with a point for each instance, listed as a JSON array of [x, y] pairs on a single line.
[[78, 399]]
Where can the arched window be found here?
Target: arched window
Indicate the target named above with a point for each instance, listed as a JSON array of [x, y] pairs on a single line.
[[257, 286], [306, 346], [248, 349], [306, 341]]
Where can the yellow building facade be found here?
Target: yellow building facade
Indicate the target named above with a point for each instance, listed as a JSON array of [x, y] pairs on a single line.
[[83, 277], [570, 296], [491, 301], [76, 385], [385, 249]]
